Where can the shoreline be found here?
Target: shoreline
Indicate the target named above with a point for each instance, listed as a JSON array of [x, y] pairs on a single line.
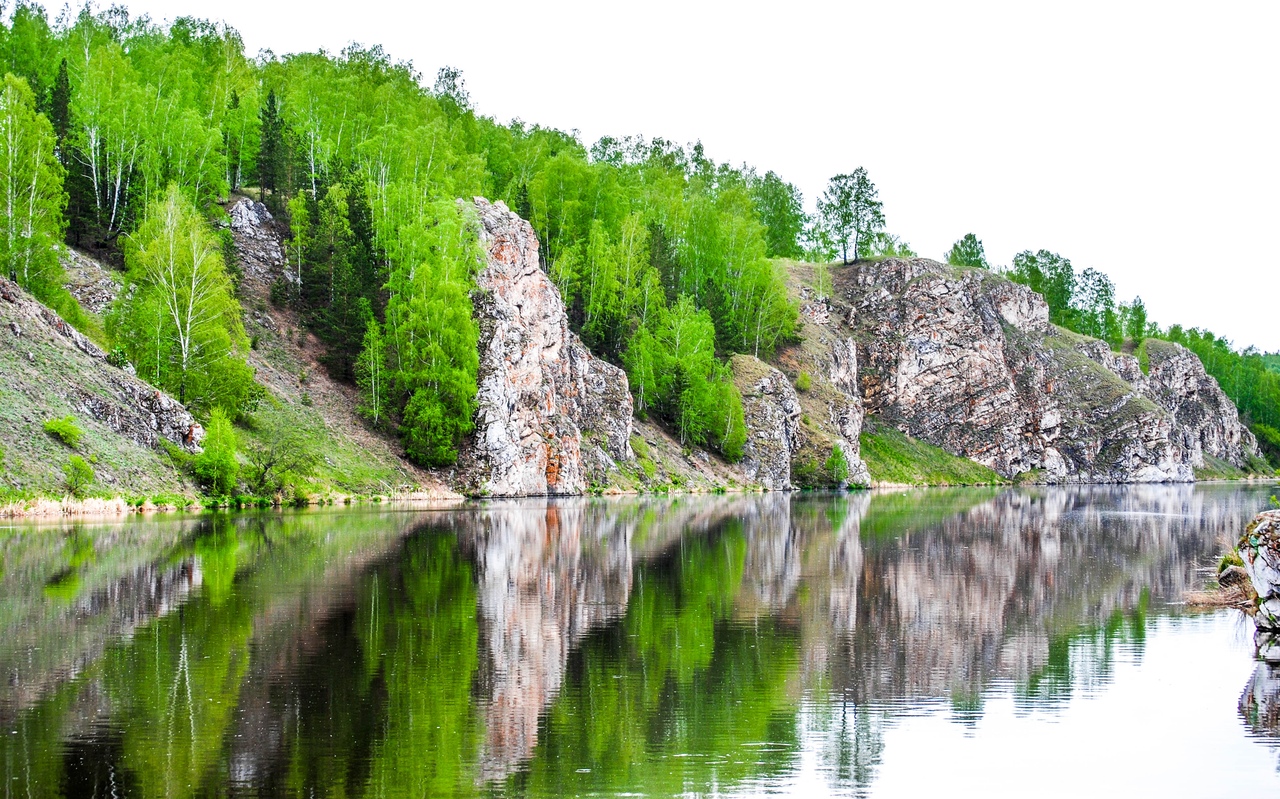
[[51, 507]]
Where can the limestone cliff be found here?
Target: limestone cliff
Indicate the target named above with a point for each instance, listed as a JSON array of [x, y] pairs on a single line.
[[968, 361], [551, 419]]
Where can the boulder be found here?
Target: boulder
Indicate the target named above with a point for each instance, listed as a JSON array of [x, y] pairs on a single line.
[[1259, 548], [551, 418]]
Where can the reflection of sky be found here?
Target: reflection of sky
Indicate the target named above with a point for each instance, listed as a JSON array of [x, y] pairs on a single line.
[[1164, 724]]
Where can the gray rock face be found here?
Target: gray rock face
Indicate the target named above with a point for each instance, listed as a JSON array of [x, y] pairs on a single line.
[[968, 361], [1259, 548], [262, 258], [1206, 420], [551, 418], [772, 413], [130, 407]]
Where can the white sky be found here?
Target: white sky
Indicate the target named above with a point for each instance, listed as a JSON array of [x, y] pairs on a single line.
[[1139, 138]]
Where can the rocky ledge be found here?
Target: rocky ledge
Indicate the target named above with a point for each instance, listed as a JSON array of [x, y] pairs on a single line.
[[552, 419]]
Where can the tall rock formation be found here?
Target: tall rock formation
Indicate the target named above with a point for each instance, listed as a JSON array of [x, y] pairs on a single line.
[[551, 419], [968, 361]]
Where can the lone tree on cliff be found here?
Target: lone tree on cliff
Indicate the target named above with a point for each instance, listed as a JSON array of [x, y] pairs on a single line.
[[850, 213], [968, 252]]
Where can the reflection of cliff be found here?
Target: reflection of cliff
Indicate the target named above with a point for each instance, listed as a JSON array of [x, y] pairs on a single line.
[[545, 578], [547, 575], [957, 599]]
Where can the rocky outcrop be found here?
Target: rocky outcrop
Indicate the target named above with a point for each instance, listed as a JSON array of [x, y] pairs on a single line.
[[1259, 548], [258, 246], [771, 411], [825, 363], [968, 361], [111, 395], [1206, 421], [551, 419]]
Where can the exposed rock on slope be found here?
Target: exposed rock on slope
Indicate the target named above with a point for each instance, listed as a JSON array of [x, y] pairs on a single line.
[[772, 413], [552, 419], [1206, 420], [1259, 548], [50, 369], [967, 360], [139, 412]]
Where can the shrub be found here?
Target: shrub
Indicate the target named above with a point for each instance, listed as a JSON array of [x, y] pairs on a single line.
[[118, 357], [216, 467], [78, 474], [803, 382], [65, 430]]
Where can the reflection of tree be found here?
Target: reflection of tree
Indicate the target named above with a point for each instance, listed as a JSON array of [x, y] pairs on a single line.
[[420, 639], [677, 697]]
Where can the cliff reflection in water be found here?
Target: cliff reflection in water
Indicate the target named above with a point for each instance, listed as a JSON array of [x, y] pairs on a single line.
[[660, 645]]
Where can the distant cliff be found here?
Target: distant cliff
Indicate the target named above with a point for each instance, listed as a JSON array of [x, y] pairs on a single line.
[[968, 361]]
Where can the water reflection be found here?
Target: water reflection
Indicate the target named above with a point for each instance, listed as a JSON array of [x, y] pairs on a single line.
[[664, 646]]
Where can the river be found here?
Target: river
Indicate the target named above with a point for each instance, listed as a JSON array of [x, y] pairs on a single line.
[[951, 642]]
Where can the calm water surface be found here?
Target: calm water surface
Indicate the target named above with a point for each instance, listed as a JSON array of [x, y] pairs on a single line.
[[956, 642]]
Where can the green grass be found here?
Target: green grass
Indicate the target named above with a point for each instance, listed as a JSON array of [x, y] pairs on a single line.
[[893, 457]]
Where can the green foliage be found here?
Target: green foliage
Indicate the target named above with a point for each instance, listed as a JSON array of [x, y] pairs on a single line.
[[968, 252], [1051, 276], [837, 466], [282, 455], [180, 322], [216, 467], [780, 207], [32, 199], [674, 373], [371, 373], [65, 430], [77, 474], [803, 381], [850, 214], [431, 337]]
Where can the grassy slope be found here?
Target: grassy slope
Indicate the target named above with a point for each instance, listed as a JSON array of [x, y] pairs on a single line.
[[41, 371], [894, 457]]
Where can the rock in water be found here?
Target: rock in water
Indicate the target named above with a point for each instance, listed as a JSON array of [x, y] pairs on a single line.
[[551, 419], [1259, 548]]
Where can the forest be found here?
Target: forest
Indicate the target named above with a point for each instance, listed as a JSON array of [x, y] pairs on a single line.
[[124, 138]]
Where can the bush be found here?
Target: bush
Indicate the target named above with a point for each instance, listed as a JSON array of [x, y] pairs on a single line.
[[65, 430], [803, 382], [78, 474], [118, 357], [216, 467]]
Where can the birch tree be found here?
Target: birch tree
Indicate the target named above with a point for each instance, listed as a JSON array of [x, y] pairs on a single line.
[[179, 319], [31, 189]]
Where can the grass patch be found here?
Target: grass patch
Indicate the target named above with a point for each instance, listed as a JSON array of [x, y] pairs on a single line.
[[893, 457], [1216, 469]]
